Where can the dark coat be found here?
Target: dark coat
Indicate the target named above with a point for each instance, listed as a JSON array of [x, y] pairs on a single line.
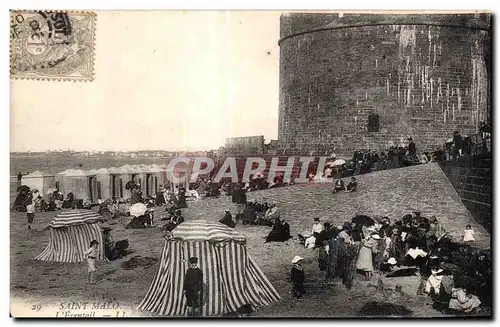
[[181, 198], [193, 287], [239, 196], [298, 277], [279, 233], [228, 220]]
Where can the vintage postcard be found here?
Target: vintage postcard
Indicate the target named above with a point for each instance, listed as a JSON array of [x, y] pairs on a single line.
[[250, 164]]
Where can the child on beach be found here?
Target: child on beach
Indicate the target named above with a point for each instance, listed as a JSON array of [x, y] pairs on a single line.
[[91, 255], [193, 288], [468, 234], [297, 277], [30, 213]]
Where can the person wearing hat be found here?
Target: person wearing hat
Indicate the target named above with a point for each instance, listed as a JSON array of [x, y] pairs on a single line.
[[175, 220], [317, 227], [297, 277], [228, 219], [339, 186], [365, 257], [193, 287], [352, 186], [239, 200], [435, 233], [388, 266]]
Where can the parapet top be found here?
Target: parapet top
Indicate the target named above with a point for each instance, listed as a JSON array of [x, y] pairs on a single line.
[[299, 23]]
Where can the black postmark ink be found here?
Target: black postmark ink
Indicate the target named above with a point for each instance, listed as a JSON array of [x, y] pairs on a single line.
[[52, 44]]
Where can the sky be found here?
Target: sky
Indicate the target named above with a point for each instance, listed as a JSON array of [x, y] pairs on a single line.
[[165, 80]]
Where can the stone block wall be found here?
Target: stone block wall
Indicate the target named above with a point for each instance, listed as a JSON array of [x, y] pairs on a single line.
[[425, 76], [472, 179]]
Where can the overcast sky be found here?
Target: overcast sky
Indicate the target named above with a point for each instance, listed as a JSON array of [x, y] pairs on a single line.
[[163, 80]]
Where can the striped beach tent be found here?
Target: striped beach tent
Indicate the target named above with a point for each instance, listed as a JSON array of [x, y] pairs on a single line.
[[71, 232], [232, 278]]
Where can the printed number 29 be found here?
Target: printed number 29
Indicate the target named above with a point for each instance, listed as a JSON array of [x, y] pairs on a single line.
[[36, 307]]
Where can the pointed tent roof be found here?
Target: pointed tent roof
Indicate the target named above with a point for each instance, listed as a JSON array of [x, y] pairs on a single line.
[[74, 217], [203, 230], [102, 171]]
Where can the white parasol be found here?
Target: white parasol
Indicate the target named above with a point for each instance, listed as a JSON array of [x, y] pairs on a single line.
[[138, 209], [51, 190], [338, 162]]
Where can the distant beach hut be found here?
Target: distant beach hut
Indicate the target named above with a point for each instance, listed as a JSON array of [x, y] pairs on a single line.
[[118, 178], [40, 181], [231, 277], [82, 184], [103, 183], [71, 232]]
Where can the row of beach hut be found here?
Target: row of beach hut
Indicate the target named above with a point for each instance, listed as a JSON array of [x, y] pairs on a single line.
[[103, 183]]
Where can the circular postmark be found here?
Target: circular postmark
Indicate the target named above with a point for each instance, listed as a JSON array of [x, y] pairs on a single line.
[[49, 43]]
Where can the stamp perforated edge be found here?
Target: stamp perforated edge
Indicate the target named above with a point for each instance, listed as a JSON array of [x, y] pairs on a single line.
[[57, 79]]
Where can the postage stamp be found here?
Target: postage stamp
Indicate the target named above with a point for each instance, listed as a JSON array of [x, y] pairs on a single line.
[[52, 45]]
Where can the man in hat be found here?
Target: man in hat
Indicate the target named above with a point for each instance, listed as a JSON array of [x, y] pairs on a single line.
[[351, 187], [239, 198], [193, 287]]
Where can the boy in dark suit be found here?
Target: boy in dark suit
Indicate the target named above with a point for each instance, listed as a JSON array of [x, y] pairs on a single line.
[[193, 287]]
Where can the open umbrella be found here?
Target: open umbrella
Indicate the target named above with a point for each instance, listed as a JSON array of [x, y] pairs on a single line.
[[51, 190], [23, 188], [138, 209], [258, 175], [339, 162], [450, 140], [363, 220]]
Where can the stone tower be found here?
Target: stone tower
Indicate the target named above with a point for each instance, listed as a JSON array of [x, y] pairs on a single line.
[[359, 81]]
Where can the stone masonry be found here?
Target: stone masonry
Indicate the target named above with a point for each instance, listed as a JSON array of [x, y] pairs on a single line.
[[424, 75]]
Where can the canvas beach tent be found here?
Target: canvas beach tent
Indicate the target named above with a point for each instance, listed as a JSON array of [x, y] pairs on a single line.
[[232, 278], [71, 232]]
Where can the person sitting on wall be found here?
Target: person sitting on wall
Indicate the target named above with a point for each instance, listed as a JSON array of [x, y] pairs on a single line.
[[339, 186], [352, 186], [457, 144]]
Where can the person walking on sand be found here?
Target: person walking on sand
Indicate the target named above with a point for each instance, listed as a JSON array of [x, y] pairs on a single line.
[[91, 254], [193, 288], [30, 213], [297, 277]]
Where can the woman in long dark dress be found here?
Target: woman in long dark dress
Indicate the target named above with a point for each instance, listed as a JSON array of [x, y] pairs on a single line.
[[280, 231], [181, 198]]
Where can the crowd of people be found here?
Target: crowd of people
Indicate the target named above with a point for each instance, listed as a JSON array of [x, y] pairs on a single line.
[[455, 275]]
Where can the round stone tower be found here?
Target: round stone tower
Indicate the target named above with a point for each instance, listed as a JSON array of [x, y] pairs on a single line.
[[369, 81]]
